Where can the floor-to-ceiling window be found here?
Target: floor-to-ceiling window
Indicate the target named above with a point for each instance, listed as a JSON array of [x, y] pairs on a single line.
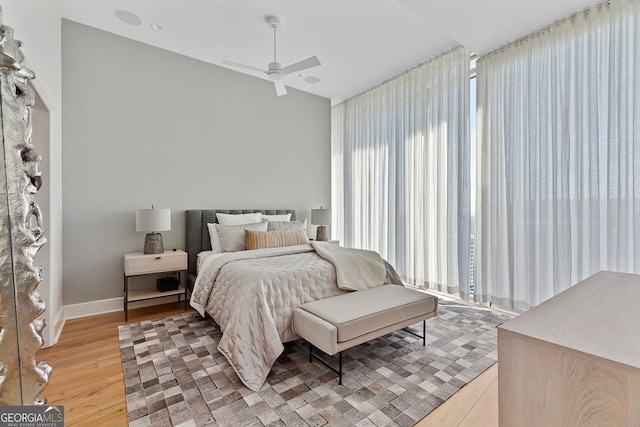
[[472, 175], [401, 172], [559, 157], [552, 194]]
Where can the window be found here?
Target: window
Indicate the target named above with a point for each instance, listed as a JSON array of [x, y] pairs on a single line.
[[472, 169]]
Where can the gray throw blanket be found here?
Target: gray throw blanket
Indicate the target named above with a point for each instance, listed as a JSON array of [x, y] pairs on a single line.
[[357, 269]]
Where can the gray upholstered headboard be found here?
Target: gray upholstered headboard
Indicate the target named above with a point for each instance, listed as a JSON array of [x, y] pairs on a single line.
[[197, 233]]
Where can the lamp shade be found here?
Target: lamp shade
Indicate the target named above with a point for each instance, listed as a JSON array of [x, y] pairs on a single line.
[[321, 216], [153, 220]]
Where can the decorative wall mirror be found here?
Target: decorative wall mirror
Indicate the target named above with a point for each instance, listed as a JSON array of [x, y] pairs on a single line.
[[21, 378]]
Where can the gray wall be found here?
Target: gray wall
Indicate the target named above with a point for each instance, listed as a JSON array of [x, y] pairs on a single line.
[[142, 125]]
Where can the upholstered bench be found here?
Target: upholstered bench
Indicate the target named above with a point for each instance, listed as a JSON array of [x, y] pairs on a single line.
[[341, 322]]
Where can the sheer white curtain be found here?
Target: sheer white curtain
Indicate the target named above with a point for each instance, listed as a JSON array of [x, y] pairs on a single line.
[[558, 118], [400, 172]]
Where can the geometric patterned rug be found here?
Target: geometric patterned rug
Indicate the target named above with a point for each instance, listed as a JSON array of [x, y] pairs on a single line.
[[175, 376]]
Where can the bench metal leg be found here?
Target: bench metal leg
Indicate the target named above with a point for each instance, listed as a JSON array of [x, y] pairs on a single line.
[[424, 333], [325, 363]]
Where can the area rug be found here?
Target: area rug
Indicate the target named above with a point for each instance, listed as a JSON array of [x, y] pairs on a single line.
[[175, 376]]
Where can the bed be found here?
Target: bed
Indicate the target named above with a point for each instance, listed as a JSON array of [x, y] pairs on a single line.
[[251, 294]]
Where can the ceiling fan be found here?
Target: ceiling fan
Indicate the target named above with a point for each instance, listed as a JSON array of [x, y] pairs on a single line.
[[275, 71]]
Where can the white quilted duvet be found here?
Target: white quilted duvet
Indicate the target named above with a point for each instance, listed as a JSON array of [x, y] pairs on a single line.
[[251, 295]]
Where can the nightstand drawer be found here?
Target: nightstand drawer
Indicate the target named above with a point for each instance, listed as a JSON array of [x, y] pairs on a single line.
[[135, 264]]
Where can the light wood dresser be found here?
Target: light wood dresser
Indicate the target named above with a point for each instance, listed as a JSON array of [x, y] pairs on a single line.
[[574, 360]]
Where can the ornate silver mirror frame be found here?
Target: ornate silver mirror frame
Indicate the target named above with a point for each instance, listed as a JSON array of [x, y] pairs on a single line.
[[21, 378]]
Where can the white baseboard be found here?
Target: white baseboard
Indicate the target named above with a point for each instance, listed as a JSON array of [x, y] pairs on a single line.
[[51, 333], [58, 325], [92, 308]]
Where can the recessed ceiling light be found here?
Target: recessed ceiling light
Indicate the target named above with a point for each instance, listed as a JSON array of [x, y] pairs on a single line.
[[128, 17], [157, 27], [312, 79]]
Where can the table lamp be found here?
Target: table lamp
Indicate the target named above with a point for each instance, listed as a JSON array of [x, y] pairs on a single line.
[[153, 220], [321, 218]]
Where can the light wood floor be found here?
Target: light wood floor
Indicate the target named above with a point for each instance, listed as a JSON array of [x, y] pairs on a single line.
[[87, 374], [87, 377], [475, 405]]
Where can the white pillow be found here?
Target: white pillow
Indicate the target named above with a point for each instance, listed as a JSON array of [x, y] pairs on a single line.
[[237, 219], [300, 224], [232, 238], [285, 217], [213, 238]]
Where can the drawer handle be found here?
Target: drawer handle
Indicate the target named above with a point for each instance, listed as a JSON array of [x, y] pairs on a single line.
[[158, 257]]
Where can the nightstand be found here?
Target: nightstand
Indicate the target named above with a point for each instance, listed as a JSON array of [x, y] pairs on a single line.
[[138, 264]]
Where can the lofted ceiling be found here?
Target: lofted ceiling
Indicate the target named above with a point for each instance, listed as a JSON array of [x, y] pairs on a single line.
[[360, 43]]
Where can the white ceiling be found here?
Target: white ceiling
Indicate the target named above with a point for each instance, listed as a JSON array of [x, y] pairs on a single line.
[[360, 43]]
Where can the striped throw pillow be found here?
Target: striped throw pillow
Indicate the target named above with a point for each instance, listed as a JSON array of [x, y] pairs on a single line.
[[274, 239]]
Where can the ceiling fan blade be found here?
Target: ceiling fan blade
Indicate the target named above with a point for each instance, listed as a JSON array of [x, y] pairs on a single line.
[[248, 67], [302, 65], [280, 88]]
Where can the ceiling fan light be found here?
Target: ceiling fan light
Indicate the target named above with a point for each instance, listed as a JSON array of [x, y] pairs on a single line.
[[274, 71]]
